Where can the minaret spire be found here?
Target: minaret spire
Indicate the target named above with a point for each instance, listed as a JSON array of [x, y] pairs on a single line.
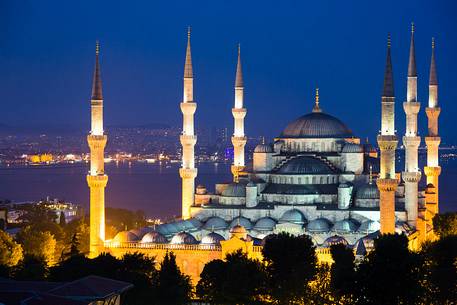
[[388, 89], [96, 179], [433, 140], [239, 113], [411, 140], [188, 139], [97, 79], [387, 141]]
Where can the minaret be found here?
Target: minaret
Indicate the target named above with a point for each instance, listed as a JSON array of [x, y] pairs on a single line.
[[239, 113], [96, 179], [188, 139], [411, 140], [433, 170], [387, 141]]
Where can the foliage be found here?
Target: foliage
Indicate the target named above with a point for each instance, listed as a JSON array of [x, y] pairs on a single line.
[[123, 219], [31, 268], [343, 271], [171, 286], [319, 291], [38, 213], [291, 263], [390, 273], [38, 243], [62, 220], [440, 270], [238, 280], [445, 224], [80, 228], [10, 251]]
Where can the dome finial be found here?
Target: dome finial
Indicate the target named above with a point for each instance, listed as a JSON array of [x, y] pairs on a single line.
[[389, 42], [263, 140], [97, 47], [316, 107], [412, 27]]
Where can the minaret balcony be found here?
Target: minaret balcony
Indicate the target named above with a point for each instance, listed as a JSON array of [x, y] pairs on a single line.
[[432, 171], [387, 142], [188, 108], [411, 107], [188, 140], [239, 141], [97, 141], [188, 173], [97, 181], [433, 113], [432, 141], [239, 113], [387, 185], [411, 141], [411, 177]]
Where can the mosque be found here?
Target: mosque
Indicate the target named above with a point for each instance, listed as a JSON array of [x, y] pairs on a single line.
[[317, 178]]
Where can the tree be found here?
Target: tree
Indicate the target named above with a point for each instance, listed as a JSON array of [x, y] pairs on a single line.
[[10, 251], [342, 272], [440, 270], [38, 244], [445, 224], [62, 221], [290, 264], [81, 228], [31, 268], [238, 280], [390, 273], [171, 286]]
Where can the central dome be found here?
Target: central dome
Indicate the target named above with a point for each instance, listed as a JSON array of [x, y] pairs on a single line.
[[316, 125]]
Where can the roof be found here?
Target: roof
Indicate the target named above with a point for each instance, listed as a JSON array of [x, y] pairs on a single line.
[[263, 148], [316, 125], [183, 238], [352, 148], [215, 223], [154, 237], [305, 165], [319, 225], [235, 190], [293, 216], [367, 191], [301, 189], [212, 239]]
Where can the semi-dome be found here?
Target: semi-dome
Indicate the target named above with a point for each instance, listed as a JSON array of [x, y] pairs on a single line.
[[241, 221], [369, 226], [293, 216], [215, 223], [345, 226], [316, 125], [125, 236], [352, 148], [154, 237], [183, 238], [235, 190], [305, 165], [265, 224], [367, 191], [263, 148], [319, 225], [212, 239], [335, 240]]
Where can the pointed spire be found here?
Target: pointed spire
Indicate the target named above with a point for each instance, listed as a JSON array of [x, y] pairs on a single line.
[[412, 55], [239, 71], [97, 80], [316, 107], [188, 73], [388, 90], [433, 78]]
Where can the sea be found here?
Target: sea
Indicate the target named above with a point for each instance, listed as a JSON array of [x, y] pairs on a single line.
[[154, 188]]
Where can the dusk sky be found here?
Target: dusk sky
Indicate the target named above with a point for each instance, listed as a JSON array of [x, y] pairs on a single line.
[[288, 48]]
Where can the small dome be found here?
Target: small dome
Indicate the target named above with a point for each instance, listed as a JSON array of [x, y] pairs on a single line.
[[192, 224], [238, 229], [369, 226], [167, 229], [215, 223], [265, 224], [235, 190], [293, 216], [183, 238], [316, 125], [212, 239], [319, 225], [241, 221], [142, 231], [367, 191], [125, 236], [263, 148], [345, 226], [154, 237], [352, 148], [200, 190], [335, 240], [305, 165]]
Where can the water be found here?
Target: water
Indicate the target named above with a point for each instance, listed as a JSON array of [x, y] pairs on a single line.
[[153, 188]]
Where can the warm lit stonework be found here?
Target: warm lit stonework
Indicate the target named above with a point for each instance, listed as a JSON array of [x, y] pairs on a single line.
[[96, 179], [316, 178]]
